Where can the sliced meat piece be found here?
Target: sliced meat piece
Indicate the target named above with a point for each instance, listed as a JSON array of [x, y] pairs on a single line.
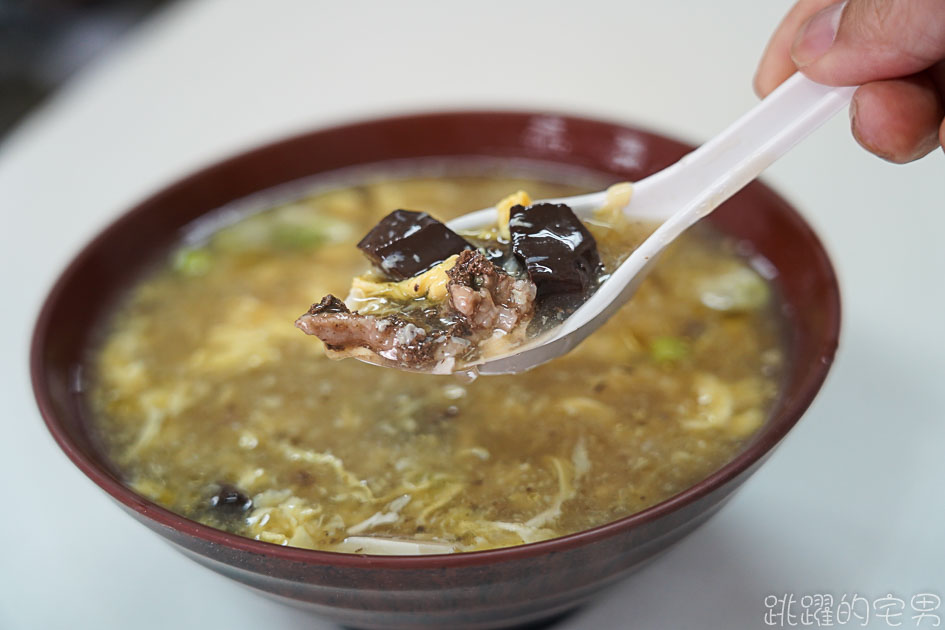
[[329, 304], [406, 243], [558, 252], [391, 338], [485, 305], [487, 297]]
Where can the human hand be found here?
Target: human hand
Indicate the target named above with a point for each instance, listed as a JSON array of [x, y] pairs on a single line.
[[893, 49]]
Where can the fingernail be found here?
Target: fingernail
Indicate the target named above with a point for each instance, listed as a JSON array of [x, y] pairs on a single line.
[[853, 127], [816, 37], [856, 131], [853, 112]]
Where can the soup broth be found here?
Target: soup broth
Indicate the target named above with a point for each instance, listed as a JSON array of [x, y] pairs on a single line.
[[211, 403]]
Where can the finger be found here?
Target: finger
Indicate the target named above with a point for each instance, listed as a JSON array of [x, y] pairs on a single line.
[[869, 40], [776, 64], [898, 119], [941, 135], [937, 73]]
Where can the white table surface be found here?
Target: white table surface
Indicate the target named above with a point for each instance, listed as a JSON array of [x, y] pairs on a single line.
[[852, 502]]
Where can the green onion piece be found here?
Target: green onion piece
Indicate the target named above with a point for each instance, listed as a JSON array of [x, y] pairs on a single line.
[[192, 261], [287, 236], [668, 349]]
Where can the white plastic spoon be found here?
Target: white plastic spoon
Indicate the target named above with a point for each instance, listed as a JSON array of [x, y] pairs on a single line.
[[676, 198]]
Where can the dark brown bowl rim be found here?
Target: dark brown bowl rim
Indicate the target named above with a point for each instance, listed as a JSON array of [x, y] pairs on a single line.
[[770, 436]]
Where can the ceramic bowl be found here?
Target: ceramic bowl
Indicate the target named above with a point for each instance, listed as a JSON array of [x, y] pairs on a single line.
[[486, 589]]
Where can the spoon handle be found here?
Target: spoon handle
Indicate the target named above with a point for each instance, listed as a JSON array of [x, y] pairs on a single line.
[[705, 178]]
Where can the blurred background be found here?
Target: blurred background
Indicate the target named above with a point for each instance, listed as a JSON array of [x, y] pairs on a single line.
[[43, 42]]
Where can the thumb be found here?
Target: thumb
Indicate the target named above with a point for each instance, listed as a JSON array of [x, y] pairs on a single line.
[[867, 40]]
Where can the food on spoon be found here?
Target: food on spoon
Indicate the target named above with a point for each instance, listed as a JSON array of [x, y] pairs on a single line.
[[459, 305], [482, 302], [558, 252], [406, 243]]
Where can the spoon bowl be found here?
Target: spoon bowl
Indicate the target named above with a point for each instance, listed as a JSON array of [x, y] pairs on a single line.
[[675, 198]]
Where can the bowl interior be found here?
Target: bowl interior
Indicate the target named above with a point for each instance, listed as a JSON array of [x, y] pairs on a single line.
[[100, 273]]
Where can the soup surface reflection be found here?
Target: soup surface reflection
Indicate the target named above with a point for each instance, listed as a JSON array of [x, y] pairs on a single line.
[[210, 402]]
